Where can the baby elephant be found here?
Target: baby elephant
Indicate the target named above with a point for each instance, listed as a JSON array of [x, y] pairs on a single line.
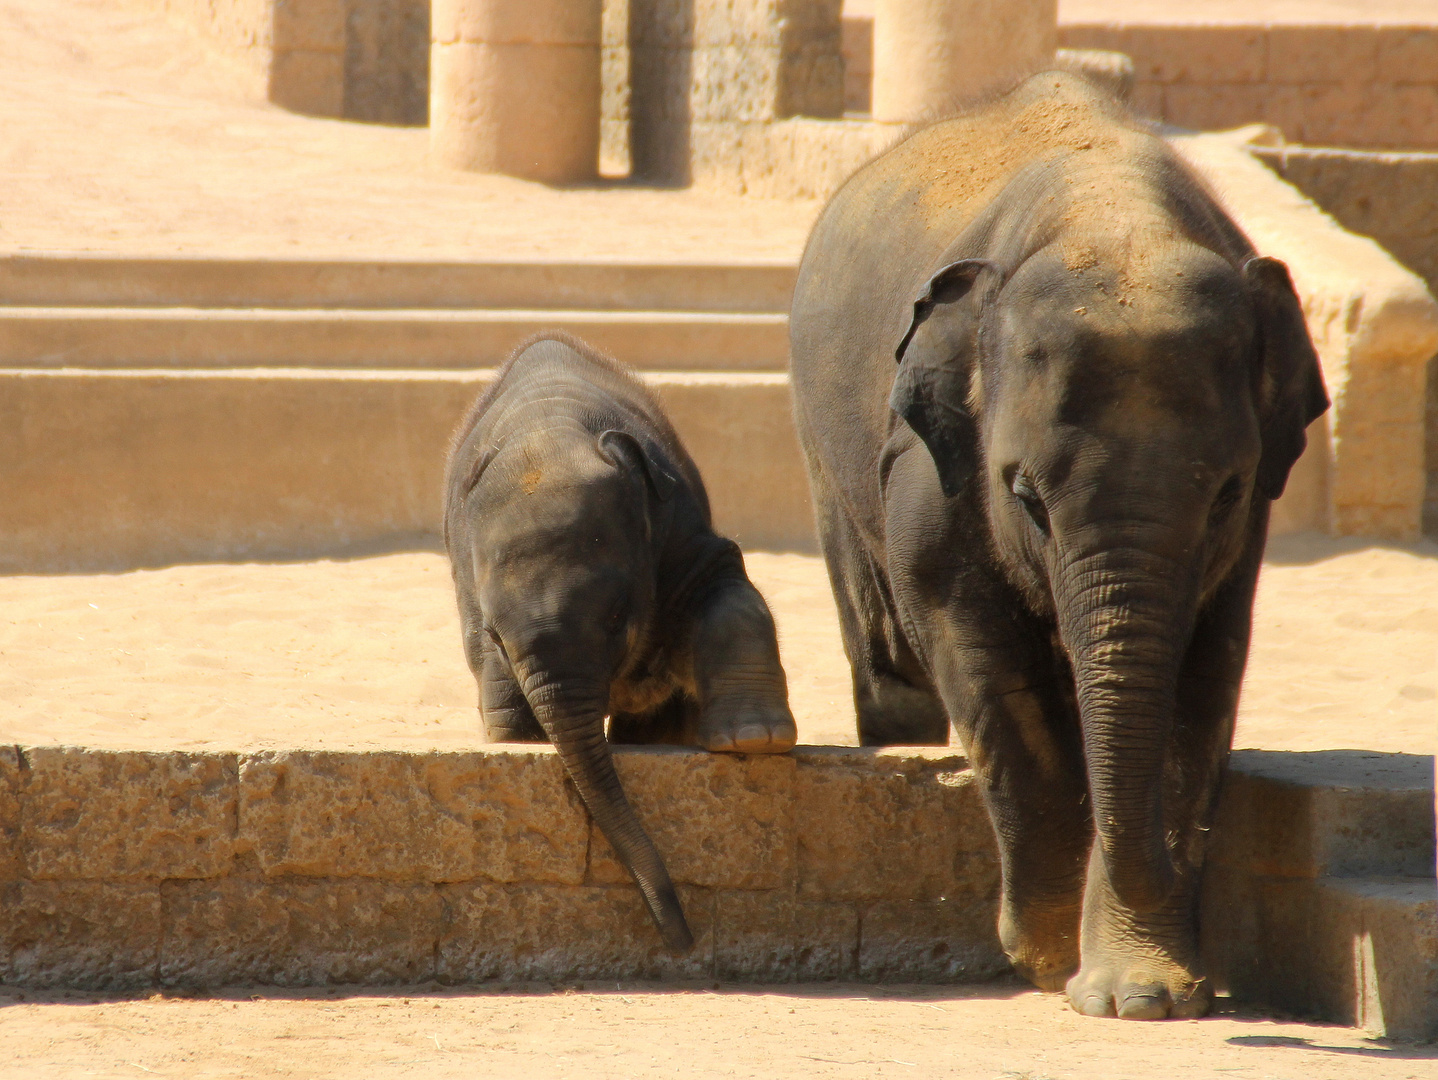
[[591, 584]]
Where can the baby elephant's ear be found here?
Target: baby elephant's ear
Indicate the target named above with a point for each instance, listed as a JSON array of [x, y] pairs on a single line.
[[1290, 380], [622, 448]]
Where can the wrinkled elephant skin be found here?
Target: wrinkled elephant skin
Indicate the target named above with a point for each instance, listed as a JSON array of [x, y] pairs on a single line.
[[591, 584], [1047, 392]]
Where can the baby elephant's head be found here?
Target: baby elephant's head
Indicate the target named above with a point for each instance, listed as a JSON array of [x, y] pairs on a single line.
[[565, 570]]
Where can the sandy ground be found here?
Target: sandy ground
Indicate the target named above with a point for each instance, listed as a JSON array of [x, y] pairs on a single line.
[[121, 134], [366, 654], [999, 1031]]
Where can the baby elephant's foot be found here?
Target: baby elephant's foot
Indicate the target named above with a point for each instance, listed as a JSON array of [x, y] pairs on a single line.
[[748, 729], [1138, 989]]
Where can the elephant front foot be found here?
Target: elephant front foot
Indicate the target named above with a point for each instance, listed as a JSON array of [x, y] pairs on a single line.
[[1041, 942], [1138, 989], [1138, 966], [748, 729]]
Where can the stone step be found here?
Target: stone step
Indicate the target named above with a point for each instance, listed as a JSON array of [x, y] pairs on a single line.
[[72, 280], [119, 468], [1319, 894], [127, 337], [1328, 813]]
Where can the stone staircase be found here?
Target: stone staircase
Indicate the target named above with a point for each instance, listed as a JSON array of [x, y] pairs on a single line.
[[1320, 896], [197, 408]]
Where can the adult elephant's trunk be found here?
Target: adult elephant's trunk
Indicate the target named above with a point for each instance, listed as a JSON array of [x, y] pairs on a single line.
[[574, 723], [1125, 616]]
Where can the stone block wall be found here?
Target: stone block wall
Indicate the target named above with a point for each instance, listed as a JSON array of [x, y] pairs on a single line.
[[687, 74], [300, 868], [1373, 86]]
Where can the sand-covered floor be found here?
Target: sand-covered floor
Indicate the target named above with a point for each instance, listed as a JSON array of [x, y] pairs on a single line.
[[123, 133], [365, 653], [998, 1031]]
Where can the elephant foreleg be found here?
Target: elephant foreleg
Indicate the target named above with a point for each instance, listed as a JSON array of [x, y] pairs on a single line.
[[1031, 770]]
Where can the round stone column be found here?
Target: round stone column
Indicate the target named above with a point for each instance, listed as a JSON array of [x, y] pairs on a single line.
[[514, 87], [931, 55]]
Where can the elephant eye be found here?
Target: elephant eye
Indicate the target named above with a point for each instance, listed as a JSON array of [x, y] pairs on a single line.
[[495, 639], [1028, 496], [1227, 498]]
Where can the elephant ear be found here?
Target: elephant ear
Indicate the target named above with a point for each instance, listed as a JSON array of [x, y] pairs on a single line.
[[1291, 394], [936, 361], [624, 450]]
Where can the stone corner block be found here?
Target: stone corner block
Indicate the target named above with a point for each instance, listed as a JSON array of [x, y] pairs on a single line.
[[502, 814], [83, 935], [298, 932], [112, 815], [548, 932], [893, 824], [719, 820], [1345, 813]]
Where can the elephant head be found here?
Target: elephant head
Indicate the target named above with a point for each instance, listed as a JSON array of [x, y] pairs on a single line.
[[1121, 412], [566, 587]]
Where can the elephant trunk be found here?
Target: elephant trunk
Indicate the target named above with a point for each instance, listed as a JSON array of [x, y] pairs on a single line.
[[1125, 620], [574, 723]]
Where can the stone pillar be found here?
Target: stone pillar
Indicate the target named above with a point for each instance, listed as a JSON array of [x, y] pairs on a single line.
[[931, 55], [514, 87]]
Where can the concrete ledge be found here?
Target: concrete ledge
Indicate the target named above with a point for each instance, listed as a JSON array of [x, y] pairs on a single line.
[[296, 868], [99, 337], [108, 470], [64, 279], [125, 869]]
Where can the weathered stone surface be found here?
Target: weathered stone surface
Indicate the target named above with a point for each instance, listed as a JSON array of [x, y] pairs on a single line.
[[298, 932], [889, 824], [1360, 951], [953, 939], [773, 936], [87, 935], [387, 61], [124, 815], [11, 862], [528, 110], [431, 817], [1344, 813], [722, 821], [522, 932], [1393, 939], [309, 81]]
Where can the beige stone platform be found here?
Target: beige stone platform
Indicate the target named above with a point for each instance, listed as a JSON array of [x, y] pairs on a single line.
[[300, 868]]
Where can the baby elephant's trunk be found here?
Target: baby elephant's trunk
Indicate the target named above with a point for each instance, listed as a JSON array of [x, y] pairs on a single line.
[[576, 728]]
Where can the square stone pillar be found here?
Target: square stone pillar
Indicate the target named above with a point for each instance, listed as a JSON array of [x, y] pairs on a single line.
[[702, 72], [932, 55], [514, 87]]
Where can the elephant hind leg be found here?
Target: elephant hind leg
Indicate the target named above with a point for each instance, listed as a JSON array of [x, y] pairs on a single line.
[[894, 702]]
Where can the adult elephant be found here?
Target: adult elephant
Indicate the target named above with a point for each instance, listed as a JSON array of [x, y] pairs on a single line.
[[1047, 392]]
